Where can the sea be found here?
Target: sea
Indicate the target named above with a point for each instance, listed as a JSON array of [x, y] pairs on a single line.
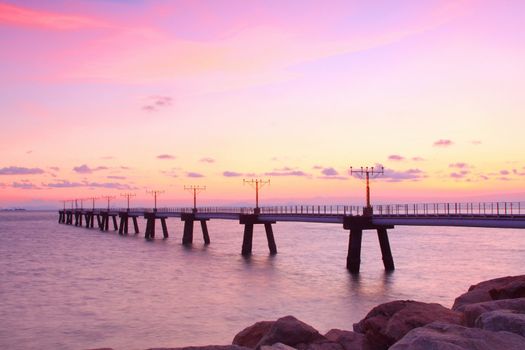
[[65, 287]]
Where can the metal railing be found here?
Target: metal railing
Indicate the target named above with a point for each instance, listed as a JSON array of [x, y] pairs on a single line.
[[415, 209]]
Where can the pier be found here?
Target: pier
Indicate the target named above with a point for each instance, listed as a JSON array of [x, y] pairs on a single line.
[[354, 219]]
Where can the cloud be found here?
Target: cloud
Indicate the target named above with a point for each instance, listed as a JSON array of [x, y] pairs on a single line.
[[24, 185], [460, 165], [231, 174], [443, 143], [55, 168], [193, 174], [317, 167], [329, 172], [392, 175], [15, 170], [332, 178], [418, 159], [476, 142], [22, 16], [68, 184], [286, 173], [156, 102], [459, 175], [207, 160], [504, 172], [116, 177], [518, 173], [396, 157], [165, 156], [84, 169]]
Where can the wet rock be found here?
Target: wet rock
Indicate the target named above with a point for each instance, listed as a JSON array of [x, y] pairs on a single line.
[[320, 345], [290, 331], [509, 287], [473, 311], [442, 336], [348, 340], [206, 347], [277, 346], [502, 320], [252, 335], [389, 322]]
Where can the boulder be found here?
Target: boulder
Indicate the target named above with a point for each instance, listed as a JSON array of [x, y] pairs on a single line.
[[389, 322], [320, 345], [206, 347], [252, 335], [471, 312], [509, 287], [502, 320], [290, 331], [348, 340], [443, 336], [277, 346]]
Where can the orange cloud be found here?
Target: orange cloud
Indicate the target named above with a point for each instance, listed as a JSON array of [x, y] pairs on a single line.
[[21, 16]]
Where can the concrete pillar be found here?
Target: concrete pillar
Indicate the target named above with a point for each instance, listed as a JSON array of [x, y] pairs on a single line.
[[205, 234], [388, 260], [123, 218], [135, 225], [164, 227], [353, 260], [126, 225], [187, 236], [247, 239], [270, 238]]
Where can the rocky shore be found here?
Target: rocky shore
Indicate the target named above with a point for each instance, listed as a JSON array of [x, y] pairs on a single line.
[[489, 316]]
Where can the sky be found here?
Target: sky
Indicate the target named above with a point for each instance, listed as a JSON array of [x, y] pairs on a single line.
[[106, 97]]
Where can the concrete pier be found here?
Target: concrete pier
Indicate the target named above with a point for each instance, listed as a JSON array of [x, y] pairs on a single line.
[[249, 220], [189, 220]]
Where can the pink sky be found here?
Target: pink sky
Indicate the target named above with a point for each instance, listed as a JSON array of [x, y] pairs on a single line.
[[105, 97]]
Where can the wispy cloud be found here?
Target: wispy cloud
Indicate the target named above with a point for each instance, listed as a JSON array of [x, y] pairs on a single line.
[[459, 165], [504, 172], [165, 156], [116, 177], [396, 157], [443, 143], [193, 174], [154, 103], [418, 159], [25, 185], [68, 184], [22, 16], [476, 142], [55, 168], [329, 172], [286, 173], [15, 170], [85, 169], [207, 160], [231, 174], [459, 175], [392, 175]]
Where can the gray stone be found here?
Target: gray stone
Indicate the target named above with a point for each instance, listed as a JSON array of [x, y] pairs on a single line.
[[206, 347], [290, 331], [251, 336], [442, 336], [502, 320], [277, 346], [387, 323], [471, 312], [509, 287]]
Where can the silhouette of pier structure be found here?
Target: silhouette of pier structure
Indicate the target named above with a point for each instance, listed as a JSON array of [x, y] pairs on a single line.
[[354, 219]]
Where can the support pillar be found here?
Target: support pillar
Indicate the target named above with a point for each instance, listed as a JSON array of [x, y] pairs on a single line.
[[123, 220], [270, 238], [150, 226], [247, 239], [164, 227], [353, 260], [388, 260], [205, 234], [135, 225], [80, 219], [100, 221], [187, 236], [115, 226], [126, 225]]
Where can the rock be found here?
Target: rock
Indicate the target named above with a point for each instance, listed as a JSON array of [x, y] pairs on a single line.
[[277, 346], [443, 336], [389, 322], [320, 345], [349, 340], [471, 312], [290, 331], [252, 335], [509, 287], [502, 320], [206, 347]]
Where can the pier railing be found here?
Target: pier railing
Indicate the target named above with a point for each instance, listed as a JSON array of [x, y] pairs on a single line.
[[415, 209]]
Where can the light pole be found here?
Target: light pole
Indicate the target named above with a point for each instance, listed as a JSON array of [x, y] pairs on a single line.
[[195, 190], [367, 173], [257, 184]]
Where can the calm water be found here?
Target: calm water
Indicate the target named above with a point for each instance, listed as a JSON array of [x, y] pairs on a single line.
[[63, 287]]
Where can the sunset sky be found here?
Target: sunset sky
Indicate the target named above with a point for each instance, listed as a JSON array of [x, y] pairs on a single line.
[[105, 97]]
